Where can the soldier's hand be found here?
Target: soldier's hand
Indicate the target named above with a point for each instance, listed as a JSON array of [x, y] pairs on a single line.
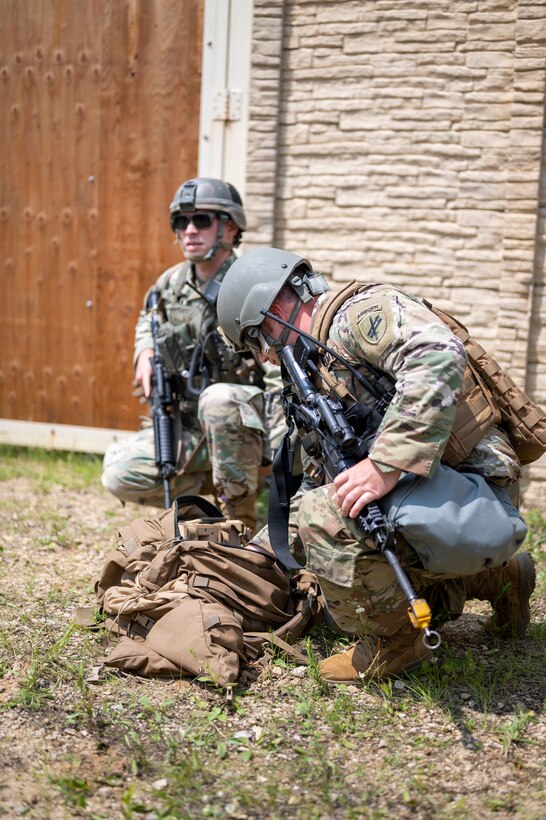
[[143, 371], [362, 484], [138, 392]]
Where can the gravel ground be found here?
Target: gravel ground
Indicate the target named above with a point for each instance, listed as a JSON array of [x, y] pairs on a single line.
[[466, 741]]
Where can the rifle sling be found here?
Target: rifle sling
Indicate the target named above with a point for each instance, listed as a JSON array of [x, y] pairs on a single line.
[[279, 505], [193, 455]]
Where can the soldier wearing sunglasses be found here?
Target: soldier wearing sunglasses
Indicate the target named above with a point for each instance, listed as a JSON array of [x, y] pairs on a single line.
[[227, 414]]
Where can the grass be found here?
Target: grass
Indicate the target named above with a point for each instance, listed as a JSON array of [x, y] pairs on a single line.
[[535, 542], [459, 738], [50, 467], [514, 730]]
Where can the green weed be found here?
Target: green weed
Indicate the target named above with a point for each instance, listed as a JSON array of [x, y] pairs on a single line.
[[130, 806], [538, 633], [535, 541], [75, 790], [320, 686], [47, 667], [498, 804], [513, 732]]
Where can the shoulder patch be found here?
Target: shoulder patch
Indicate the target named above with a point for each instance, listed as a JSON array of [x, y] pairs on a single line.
[[371, 320], [373, 323]]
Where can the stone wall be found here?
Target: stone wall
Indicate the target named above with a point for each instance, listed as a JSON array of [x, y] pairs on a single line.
[[535, 492], [402, 141]]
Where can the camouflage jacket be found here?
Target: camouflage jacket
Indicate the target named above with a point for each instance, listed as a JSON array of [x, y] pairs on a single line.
[[188, 318], [395, 333]]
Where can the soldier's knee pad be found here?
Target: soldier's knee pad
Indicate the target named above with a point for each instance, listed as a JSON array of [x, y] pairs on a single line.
[[214, 400], [110, 481]]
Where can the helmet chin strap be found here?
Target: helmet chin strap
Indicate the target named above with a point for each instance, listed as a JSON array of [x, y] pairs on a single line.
[[288, 327], [218, 243], [306, 288]]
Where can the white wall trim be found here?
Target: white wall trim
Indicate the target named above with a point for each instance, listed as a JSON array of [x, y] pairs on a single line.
[[59, 436], [225, 83]]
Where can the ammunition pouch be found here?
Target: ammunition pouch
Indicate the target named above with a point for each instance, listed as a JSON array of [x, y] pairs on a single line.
[[176, 346], [227, 366], [501, 402], [476, 412], [180, 353]]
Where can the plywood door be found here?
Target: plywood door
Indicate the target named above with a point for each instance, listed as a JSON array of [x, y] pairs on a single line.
[[100, 114]]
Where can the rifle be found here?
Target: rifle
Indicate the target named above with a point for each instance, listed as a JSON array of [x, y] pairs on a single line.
[[198, 368], [339, 439], [211, 354], [161, 400]]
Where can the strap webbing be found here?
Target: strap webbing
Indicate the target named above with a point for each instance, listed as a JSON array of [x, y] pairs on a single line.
[[208, 509], [328, 309], [280, 492]]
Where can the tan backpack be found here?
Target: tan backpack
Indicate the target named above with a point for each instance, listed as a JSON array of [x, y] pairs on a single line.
[[489, 395], [189, 596], [522, 419]]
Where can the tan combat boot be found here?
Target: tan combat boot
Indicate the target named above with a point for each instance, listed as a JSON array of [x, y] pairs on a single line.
[[508, 590], [370, 660], [242, 508]]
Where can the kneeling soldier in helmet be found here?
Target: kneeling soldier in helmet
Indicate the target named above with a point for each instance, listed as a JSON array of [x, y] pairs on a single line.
[[227, 417], [457, 528]]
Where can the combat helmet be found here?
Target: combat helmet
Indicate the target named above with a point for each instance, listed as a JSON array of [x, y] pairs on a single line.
[[253, 283], [208, 194]]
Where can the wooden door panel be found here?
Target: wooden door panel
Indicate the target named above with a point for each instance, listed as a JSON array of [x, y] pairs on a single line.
[[100, 111]]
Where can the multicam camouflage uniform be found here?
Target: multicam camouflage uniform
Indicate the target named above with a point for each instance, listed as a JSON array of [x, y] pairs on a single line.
[[398, 335], [239, 415]]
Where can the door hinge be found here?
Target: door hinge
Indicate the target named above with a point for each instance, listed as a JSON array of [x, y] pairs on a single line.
[[227, 105]]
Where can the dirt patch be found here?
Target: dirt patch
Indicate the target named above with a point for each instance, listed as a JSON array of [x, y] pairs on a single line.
[[464, 738]]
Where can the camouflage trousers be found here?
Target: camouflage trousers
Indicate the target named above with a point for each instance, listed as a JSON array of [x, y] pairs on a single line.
[[361, 591], [236, 428]]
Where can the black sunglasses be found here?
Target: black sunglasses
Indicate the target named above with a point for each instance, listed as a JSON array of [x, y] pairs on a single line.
[[201, 221]]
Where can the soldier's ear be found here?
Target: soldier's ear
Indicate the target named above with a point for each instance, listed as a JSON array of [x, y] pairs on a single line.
[[231, 226]]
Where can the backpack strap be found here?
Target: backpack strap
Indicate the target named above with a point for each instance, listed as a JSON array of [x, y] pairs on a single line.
[[328, 308], [322, 319], [254, 642], [309, 614], [520, 417]]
